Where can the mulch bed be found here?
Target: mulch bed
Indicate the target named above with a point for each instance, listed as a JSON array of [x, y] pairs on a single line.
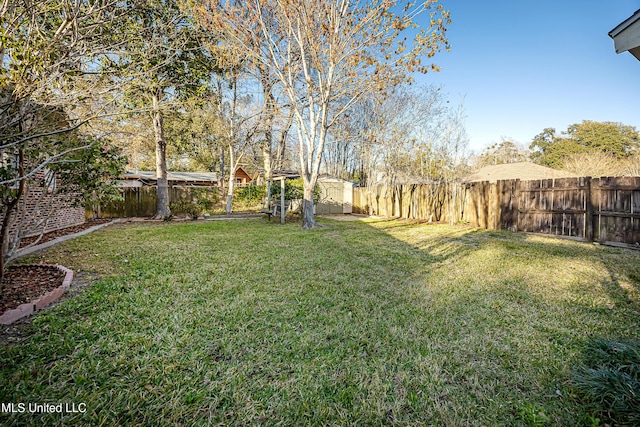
[[62, 232], [24, 283]]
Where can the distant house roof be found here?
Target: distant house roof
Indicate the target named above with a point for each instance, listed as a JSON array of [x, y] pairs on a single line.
[[193, 177], [626, 36], [329, 178], [242, 173], [522, 170]]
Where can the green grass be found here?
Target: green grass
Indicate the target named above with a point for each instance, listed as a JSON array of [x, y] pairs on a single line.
[[611, 379], [378, 323]]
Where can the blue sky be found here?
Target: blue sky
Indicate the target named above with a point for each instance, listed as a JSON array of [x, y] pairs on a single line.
[[522, 66]]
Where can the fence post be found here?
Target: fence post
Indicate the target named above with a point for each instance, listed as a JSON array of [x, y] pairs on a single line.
[[497, 194], [516, 204], [282, 201], [589, 210]]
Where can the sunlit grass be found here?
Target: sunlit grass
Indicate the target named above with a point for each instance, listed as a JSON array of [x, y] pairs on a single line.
[[370, 323]]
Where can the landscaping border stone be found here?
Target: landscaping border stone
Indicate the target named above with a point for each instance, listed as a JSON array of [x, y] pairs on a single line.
[[27, 251], [25, 310]]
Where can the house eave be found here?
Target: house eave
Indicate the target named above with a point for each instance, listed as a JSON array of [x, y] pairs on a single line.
[[626, 36], [624, 24]]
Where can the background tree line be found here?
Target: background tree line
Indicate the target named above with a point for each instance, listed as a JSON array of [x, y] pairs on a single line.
[[588, 148], [87, 85]]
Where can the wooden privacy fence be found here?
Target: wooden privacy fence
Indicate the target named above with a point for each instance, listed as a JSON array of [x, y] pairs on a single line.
[[605, 210], [142, 201], [440, 202]]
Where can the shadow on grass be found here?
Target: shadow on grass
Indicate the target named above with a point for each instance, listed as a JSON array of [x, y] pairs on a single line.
[[388, 322], [595, 291]]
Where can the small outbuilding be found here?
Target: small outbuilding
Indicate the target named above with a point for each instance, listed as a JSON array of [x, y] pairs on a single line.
[[242, 177], [182, 179], [336, 196], [626, 36]]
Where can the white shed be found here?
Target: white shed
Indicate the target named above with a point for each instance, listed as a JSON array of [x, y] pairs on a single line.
[[336, 196]]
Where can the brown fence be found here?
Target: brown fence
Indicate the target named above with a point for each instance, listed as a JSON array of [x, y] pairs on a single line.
[[432, 202], [142, 201], [605, 210]]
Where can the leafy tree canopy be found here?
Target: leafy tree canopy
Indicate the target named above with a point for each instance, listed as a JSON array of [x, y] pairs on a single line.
[[90, 175], [618, 140]]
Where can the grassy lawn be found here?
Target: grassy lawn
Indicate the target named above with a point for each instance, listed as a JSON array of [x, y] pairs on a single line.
[[375, 323]]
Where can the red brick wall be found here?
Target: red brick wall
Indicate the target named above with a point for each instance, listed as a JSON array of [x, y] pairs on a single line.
[[41, 208]]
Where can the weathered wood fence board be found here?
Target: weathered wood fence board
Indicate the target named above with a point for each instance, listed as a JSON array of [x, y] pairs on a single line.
[[142, 201], [605, 210], [556, 207], [617, 210]]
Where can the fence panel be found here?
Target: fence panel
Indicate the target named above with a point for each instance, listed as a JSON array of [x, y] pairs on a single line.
[[617, 210], [603, 209], [557, 207], [361, 201], [432, 202], [142, 201], [508, 195]]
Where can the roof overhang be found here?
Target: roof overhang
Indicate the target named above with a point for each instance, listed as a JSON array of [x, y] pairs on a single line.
[[626, 36], [190, 177]]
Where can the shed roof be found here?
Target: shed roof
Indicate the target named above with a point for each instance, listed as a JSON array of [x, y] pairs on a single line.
[[329, 178], [175, 176], [520, 170], [286, 174]]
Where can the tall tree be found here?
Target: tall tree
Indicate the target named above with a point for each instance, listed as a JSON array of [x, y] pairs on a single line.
[[238, 125], [594, 164], [548, 149], [270, 126], [326, 55], [194, 131], [163, 60], [613, 138], [409, 133]]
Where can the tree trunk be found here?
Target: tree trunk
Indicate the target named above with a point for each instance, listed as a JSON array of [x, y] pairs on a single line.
[[221, 179], [232, 181], [282, 142], [229, 207], [163, 209], [308, 220], [269, 113], [4, 232], [4, 238], [266, 157]]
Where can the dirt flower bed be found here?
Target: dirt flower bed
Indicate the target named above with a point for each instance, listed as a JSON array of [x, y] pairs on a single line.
[[62, 232], [24, 283]]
